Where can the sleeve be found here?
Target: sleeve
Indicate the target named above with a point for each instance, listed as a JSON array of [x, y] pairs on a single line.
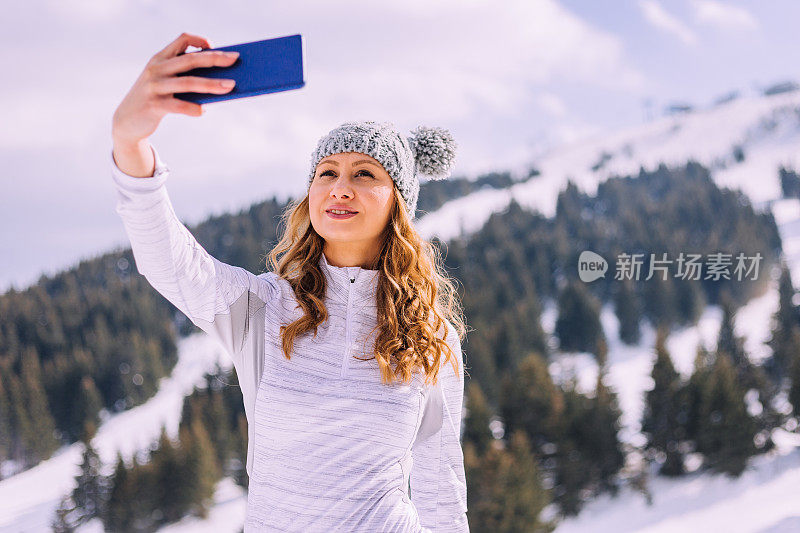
[[225, 301], [438, 482]]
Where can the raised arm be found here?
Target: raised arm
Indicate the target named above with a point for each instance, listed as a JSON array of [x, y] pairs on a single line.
[[215, 296], [227, 302], [438, 482]]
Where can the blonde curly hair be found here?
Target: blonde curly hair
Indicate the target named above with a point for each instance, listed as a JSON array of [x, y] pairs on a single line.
[[415, 297]]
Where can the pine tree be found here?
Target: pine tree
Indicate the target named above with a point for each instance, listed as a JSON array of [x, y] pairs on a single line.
[[725, 436], [602, 446], [578, 324], [505, 491], [660, 421], [91, 486], [167, 462], [628, 311], [5, 423], [659, 300], [788, 310], [690, 301], [785, 319], [692, 393], [41, 441], [145, 513], [525, 495], [589, 453], [728, 341], [201, 471], [571, 469], [119, 515], [532, 402], [87, 405], [22, 432], [217, 422], [794, 372], [478, 495], [749, 376], [476, 425]]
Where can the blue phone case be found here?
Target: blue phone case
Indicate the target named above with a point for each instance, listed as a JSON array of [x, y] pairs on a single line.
[[266, 66]]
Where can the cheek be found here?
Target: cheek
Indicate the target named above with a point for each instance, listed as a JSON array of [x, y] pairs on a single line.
[[315, 197], [381, 198]]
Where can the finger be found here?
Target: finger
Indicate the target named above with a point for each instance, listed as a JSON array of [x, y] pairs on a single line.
[[179, 45], [190, 84], [192, 60], [176, 105]]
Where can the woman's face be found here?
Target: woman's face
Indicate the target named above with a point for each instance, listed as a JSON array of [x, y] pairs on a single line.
[[354, 182]]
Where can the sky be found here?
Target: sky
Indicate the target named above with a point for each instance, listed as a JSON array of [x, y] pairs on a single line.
[[510, 80]]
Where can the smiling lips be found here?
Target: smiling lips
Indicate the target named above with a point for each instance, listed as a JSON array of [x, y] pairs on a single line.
[[340, 213]]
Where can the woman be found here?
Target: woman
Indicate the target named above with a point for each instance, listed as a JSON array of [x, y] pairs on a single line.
[[344, 412]]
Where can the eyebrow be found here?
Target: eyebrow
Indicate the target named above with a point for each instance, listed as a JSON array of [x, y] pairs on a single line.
[[336, 163]]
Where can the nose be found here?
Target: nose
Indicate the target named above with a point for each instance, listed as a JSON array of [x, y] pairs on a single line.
[[341, 189]]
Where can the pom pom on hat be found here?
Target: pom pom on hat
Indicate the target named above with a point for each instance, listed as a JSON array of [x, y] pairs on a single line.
[[434, 151]]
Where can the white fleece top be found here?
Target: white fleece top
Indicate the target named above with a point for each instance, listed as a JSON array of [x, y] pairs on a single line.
[[330, 448]]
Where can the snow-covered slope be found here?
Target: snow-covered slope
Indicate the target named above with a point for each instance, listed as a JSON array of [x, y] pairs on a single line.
[[767, 495], [765, 498], [226, 516], [29, 499], [630, 366]]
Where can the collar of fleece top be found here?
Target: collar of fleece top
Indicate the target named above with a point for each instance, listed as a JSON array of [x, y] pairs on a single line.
[[349, 281]]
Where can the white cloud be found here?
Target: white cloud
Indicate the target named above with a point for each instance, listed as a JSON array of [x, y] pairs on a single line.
[[656, 15], [724, 15], [463, 64], [553, 104], [442, 60], [86, 11], [459, 57]]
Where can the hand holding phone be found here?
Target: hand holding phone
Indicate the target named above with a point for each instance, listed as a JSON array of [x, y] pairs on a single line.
[[266, 66], [150, 99], [263, 66]]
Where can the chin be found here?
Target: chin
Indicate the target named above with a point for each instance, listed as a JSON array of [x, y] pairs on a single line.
[[339, 234]]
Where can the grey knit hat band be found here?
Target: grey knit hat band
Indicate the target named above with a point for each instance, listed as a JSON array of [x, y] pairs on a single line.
[[427, 151]]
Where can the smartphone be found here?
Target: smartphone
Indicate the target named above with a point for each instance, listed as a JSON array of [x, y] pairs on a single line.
[[266, 66]]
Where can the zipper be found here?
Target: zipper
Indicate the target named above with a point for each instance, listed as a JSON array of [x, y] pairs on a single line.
[[346, 361]]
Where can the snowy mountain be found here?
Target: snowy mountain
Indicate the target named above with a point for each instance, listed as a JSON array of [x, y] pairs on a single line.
[[765, 130]]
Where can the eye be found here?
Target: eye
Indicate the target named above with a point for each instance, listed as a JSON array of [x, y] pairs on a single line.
[[365, 172]]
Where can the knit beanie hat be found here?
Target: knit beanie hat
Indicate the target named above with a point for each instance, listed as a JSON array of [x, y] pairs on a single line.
[[426, 152]]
